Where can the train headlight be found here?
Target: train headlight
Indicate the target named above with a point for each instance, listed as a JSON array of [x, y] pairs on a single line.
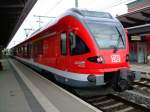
[[96, 59], [100, 59], [127, 58]]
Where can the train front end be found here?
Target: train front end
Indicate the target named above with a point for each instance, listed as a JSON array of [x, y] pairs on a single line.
[[111, 58]]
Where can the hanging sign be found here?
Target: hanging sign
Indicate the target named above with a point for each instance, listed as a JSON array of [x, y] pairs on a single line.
[[135, 38]]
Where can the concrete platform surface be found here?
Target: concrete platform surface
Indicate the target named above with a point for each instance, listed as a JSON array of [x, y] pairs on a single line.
[[25, 91], [141, 67], [12, 98]]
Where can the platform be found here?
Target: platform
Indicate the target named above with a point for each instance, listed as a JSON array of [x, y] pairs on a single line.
[[141, 67], [12, 97], [23, 90]]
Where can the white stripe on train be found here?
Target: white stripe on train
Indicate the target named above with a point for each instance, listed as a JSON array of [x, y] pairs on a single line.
[[69, 75]]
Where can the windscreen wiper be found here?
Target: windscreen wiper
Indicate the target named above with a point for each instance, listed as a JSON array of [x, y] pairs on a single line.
[[118, 41]]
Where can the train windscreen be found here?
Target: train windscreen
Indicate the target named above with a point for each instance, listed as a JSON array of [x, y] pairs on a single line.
[[108, 35]]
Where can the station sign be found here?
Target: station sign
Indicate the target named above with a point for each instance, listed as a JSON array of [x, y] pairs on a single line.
[[135, 37]]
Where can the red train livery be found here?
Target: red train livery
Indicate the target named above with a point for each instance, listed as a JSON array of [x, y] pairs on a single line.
[[81, 49]]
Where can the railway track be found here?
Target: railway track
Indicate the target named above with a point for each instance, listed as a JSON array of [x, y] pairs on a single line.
[[143, 84], [114, 103]]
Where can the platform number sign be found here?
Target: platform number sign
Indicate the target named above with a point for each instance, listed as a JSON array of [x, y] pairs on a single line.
[[115, 58]]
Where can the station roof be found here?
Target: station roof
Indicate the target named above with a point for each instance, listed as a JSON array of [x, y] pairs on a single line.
[[137, 21], [12, 14]]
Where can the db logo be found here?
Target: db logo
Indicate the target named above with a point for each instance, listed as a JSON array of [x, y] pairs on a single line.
[[115, 58]]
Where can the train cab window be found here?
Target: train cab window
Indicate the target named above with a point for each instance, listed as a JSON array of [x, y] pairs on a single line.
[[77, 45], [63, 43]]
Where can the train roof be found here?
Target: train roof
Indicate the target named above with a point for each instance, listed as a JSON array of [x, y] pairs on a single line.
[[87, 13], [79, 14], [84, 15]]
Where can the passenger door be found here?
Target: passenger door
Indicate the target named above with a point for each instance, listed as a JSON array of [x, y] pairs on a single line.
[[78, 50], [62, 60]]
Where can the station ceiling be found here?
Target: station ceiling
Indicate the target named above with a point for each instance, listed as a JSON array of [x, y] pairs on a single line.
[[12, 14], [137, 22]]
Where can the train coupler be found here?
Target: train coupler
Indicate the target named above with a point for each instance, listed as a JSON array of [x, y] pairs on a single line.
[[123, 78]]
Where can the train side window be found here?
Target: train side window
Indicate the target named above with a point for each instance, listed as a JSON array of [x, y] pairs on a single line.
[[63, 43], [77, 45], [28, 49]]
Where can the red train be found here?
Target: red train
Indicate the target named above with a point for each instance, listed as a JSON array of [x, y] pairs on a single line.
[[81, 49]]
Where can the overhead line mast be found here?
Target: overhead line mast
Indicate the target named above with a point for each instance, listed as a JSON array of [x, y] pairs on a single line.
[[39, 17], [76, 3]]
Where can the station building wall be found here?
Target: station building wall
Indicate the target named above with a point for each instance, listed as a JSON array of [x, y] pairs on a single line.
[[139, 49]]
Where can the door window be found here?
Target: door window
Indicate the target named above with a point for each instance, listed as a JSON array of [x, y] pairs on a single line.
[[77, 45], [63, 43]]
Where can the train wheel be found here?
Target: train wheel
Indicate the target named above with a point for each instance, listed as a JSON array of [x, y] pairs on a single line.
[[123, 85], [119, 84]]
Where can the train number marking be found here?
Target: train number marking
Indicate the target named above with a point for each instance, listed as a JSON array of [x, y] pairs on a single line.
[[115, 58]]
